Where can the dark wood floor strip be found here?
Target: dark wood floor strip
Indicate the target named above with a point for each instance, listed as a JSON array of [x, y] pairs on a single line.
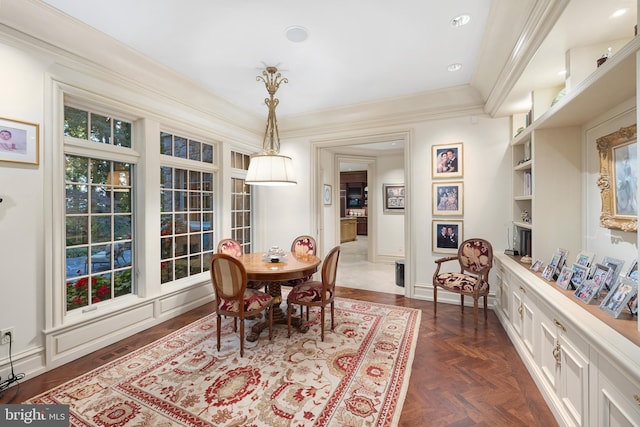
[[462, 375]]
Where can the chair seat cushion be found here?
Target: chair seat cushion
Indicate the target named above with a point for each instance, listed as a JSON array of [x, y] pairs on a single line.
[[253, 300], [461, 283], [308, 292]]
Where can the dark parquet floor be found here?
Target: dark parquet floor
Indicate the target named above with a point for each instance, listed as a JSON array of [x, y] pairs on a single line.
[[462, 375]]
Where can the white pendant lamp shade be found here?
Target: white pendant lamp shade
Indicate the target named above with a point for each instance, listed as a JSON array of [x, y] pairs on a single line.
[[270, 169]]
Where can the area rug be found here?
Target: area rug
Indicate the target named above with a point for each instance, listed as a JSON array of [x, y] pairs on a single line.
[[357, 377]]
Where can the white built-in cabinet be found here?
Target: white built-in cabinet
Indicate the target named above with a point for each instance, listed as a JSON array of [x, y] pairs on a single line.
[[588, 372]]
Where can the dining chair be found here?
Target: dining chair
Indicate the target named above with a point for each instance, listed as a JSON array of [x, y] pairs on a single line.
[[233, 298], [232, 247], [475, 258], [316, 293]]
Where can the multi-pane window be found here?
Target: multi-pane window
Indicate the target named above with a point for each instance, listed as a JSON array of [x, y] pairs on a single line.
[[187, 216], [98, 213], [241, 203]]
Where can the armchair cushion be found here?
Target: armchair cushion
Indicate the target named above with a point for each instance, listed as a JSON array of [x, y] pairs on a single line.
[[459, 282]]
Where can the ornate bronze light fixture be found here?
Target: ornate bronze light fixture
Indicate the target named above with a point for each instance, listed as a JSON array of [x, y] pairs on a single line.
[[270, 167]]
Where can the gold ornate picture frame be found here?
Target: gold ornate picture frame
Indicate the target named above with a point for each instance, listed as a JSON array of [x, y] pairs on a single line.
[[618, 179]]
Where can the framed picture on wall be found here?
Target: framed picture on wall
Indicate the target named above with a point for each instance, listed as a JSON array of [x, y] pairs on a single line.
[[326, 194], [19, 141], [393, 197], [446, 236], [448, 198], [446, 160], [618, 179]]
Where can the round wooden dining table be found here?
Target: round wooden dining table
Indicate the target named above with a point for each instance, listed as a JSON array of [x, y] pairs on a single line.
[[275, 274]]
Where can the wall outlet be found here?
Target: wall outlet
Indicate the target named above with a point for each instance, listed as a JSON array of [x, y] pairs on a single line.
[[5, 338]]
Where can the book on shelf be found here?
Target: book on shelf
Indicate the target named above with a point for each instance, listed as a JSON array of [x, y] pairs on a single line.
[[527, 184], [525, 242]]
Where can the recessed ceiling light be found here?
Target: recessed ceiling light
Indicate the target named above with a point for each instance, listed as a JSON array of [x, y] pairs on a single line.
[[460, 20], [296, 34], [454, 67], [618, 13]]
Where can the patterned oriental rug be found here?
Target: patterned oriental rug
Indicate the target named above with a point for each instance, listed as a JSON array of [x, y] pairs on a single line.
[[357, 377]]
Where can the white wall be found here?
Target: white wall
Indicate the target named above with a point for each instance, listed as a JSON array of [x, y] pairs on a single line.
[[22, 238], [389, 226]]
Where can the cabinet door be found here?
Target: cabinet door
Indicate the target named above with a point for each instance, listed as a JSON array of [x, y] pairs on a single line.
[[617, 398], [573, 388], [565, 368], [502, 291]]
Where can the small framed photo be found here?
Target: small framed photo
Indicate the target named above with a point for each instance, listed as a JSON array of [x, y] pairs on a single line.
[[547, 274], [564, 278], [393, 197], [536, 265], [585, 259], [580, 274], [327, 194], [447, 236], [586, 291], [616, 265], [446, 161], [601, 275], [19, 141], [448, 198], [633, 270], [619, 295]]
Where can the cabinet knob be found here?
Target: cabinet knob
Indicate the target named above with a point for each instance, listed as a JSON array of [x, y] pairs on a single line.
[[521, 311], [523, 290]]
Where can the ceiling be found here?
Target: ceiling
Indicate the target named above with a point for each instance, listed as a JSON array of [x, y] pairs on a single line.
[[357, 51]]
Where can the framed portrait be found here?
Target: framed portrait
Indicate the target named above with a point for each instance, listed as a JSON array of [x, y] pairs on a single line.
[[618, 179], [536, 265], [580, 274], [615, 265], [393, 197], [601, 275], [564, 278], [327, 194], [446, 236], [446, 160], [619, 295], [548, 271], [19, 141], [448, 198], [633, 270], [586, 291], [585, 259]]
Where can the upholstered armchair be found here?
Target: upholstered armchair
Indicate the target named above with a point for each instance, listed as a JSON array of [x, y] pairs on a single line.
[[475, 258], [233, 298]]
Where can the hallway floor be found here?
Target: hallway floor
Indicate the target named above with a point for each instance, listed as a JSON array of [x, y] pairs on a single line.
[[354, 271]]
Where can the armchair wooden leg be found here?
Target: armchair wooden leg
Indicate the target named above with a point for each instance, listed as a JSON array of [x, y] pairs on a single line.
[[435, 300], [271, 322], [241, 337], [462, 303], [218, 328], [485, 308]]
